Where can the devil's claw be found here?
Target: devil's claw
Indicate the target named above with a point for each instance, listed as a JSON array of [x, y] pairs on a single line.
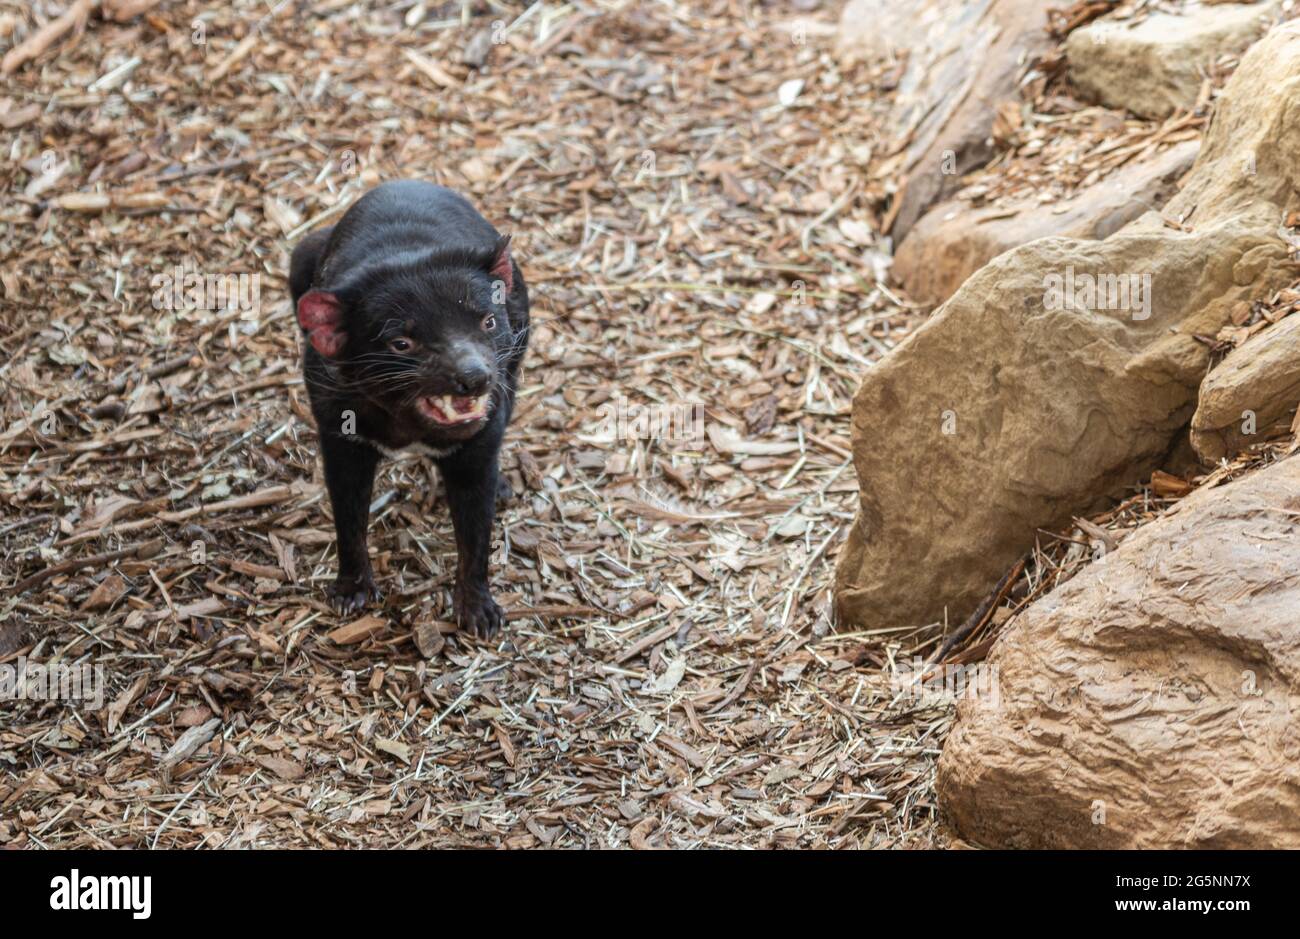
[[351, 595], [477, 613]]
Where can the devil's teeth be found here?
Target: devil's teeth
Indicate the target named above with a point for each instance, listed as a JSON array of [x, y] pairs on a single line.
[[443, 408]]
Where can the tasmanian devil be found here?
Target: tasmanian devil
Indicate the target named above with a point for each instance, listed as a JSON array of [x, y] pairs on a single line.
[[416, 319]]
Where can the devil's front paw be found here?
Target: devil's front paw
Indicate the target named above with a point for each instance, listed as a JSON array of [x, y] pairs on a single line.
[[348, 595], [476, 611]]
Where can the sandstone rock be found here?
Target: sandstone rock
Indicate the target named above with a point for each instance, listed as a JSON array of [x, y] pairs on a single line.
[[1003, 415], [1249, 164], [963, 59], [954, 240], [1251, 395], [1157, 66], [1009, 411], [1154, 700]]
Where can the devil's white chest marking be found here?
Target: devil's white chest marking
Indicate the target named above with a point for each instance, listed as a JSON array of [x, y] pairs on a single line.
[[417, 447]]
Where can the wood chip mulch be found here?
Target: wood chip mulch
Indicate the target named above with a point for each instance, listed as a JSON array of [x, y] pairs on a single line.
[[685, 188]]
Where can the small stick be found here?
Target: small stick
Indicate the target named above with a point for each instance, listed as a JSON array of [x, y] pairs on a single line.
[[337, 209], [794, 588], [46, 36], [738, 690], [659, 635], [554, 611], [237, 55], [63, 567], [982, 612], [172, 814]]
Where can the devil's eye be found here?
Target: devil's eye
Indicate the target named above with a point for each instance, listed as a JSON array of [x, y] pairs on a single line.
[[489, 323], [401, 344]]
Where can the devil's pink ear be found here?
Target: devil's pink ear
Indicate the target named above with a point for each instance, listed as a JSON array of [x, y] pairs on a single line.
[[321, 317], [501, 268], [317, 308]]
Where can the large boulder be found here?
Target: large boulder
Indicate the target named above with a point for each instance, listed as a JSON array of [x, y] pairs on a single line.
[[1064, 370], [1251, 395], [1156, 67], [1154, 700], [964, 58], [954, 239], [1012, 410]]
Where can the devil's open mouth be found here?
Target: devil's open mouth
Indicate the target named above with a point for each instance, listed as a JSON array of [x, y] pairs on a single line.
[[453, 409]]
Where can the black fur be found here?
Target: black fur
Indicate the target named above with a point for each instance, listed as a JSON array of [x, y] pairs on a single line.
[[413, 260]]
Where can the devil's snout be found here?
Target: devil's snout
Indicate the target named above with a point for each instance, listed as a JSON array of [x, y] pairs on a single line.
[[472, 376]]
